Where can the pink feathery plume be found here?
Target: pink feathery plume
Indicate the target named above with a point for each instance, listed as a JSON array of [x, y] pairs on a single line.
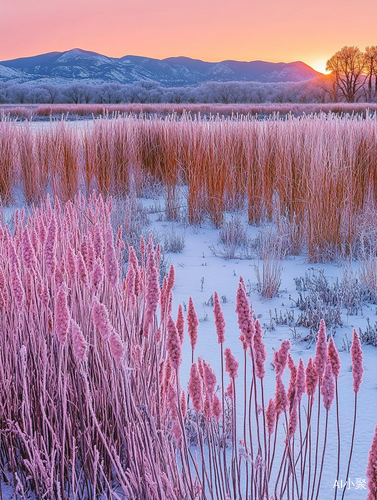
[[79, 344], [142, 249], [153, 288], [291, 394], [320, 358], [111, 263], [172, 401], [177, 433], [311, 378], [81, 268], [183, 403], [200, 367], [139, 286], [245, 320], [62, 317], [300, 380], [229, 390], [260, 353], [101, 319], [171, 279], [35, 241], [195, 388], [59, 274], [116, 348], [28, 251], [231, 364], [192, 324], [180, 324], [158, 257], [219, 319], [372, 468], [98, 273], [132, 259], [281, 400], [293, 418], [207, 409], [91, 257], [98, 241], [130, 286], [357, 362], [71, 263], [216, 407], [17, 288], [50, 247], [84, 250], [334, 358], [281, 357], [328, 387], [209, 380], [173, 345], [271, 416], [120, 245], [167, 374]]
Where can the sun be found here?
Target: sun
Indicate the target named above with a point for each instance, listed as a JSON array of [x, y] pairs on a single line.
[[320, 65]]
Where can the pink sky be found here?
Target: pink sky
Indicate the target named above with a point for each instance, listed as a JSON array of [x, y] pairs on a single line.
[[212, 30]]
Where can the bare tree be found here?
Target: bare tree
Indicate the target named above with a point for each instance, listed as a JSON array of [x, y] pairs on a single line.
[[371, 68], [347, 67]]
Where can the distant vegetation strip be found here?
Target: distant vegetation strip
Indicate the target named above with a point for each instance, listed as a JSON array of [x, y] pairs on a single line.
[[68, 111]]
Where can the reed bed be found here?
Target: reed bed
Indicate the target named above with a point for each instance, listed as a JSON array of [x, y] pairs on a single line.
[[210, 109], [318, 172], [92, 404]]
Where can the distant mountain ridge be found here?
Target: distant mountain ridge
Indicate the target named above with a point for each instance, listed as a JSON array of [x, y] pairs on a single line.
[[79, 65]]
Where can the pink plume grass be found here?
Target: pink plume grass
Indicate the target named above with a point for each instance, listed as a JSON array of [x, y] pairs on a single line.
[[231, 364], [260, 353], [195, 388], [281, 357], [62, 316], [192, 324], [173, 345], [320, 358], [219, 319], [334, 358], [357, 362], [372, 469]]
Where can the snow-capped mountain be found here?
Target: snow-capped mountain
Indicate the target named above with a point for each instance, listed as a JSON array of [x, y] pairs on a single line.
[[82, 66]]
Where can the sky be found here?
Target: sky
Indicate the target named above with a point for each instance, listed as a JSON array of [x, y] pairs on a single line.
[[211, 30]]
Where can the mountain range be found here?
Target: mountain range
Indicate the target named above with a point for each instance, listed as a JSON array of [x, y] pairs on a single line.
[[79, 65]]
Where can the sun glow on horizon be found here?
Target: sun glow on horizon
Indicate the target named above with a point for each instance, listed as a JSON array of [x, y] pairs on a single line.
[[320, 65]]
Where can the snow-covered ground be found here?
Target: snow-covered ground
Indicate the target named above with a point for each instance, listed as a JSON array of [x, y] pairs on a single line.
[[199, 273]]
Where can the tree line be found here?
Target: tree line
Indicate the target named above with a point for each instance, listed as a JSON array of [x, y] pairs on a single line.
[[352, 78], [354, 73]]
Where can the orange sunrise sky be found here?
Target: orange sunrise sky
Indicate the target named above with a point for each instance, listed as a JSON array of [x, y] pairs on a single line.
[[211, 30]]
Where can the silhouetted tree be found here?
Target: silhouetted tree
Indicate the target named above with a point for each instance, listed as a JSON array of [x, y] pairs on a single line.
[[371, 68], [347, 67]]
